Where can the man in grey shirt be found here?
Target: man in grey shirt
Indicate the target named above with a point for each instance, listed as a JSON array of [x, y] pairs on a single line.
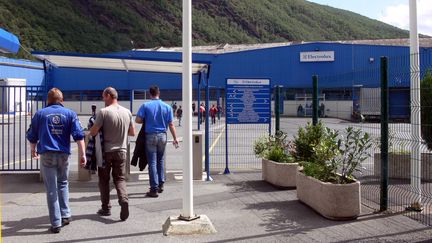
[[116, 124]]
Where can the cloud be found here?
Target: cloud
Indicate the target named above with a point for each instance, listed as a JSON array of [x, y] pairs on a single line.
[[398, 15]]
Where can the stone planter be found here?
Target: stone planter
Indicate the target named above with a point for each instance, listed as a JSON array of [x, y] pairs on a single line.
[[279, 174], [333, 201], [400, 166]]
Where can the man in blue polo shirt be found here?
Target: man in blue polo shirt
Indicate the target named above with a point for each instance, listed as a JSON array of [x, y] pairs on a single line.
[[158, 116], [49, 135]]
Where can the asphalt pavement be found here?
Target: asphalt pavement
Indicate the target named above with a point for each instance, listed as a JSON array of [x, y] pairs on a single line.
[[242, 207]]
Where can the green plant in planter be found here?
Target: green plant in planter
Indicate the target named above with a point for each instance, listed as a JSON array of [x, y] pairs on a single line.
[[279, 155], [314, 143], [353, 150], [328, 156], [315, 147], [274, 147]]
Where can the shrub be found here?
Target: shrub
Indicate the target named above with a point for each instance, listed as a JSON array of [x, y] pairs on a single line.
[[353, 150], [314, 143], [278, 154], [328, 156], [426, 108], [274, 147]]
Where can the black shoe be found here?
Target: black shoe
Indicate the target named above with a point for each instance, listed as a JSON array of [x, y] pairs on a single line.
[[55, 230], [124, 212], [66, 221], [160, 188], [152, 194], [102, 212]]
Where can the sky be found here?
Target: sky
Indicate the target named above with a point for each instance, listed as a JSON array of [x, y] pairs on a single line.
[[393, 12]]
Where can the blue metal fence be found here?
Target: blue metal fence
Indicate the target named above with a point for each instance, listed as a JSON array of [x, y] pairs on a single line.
[[17, 106]]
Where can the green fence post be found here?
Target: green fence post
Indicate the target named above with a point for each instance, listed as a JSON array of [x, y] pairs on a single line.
[[277, 108], [384, 134], [315, 100]]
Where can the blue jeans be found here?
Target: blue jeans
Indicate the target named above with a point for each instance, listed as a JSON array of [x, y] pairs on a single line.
[[55, 170], [155, 149]]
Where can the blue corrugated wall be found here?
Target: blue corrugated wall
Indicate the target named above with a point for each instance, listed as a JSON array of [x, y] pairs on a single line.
[[354, 64], [31, 71]]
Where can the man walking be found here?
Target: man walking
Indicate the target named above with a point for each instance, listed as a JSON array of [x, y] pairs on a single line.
[[49, 135], [179, 115], [193, 109], [158, 116], [219, 111], [174, 107], [116, 123], [202, 113], [213, 112]]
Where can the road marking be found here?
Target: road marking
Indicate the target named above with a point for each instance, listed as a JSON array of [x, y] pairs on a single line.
[[214, 143], [217, 127], [25, 160]]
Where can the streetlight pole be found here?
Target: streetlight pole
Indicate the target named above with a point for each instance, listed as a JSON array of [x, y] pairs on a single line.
[[415, 108], [187, 223], [187, 212]]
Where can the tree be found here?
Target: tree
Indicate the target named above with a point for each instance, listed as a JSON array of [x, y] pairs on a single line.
[[426, 108]]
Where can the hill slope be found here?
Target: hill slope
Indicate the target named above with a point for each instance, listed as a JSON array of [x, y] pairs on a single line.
[[91, 26]]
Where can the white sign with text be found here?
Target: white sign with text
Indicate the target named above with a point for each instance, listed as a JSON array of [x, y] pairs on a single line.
[[317, 56]]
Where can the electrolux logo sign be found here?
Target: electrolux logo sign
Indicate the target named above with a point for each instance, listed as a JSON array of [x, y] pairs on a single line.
[[317, 56]]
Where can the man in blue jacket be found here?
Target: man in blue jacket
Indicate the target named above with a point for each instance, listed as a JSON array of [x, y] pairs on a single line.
[[49, 135]]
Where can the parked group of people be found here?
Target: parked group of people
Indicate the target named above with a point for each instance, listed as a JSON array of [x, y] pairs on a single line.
[[49, 135]]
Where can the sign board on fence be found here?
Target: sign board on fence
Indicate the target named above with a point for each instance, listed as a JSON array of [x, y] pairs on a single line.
[[248, 101], [317, 56]]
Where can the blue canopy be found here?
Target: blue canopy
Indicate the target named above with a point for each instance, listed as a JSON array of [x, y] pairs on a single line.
[[9, 43]]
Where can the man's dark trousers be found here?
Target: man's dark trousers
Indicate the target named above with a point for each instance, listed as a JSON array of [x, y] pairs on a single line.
[[117, 162]]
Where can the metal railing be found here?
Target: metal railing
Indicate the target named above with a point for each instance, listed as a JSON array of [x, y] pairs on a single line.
[[17, 106]]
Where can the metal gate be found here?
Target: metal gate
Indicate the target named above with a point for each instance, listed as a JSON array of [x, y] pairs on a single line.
[[17, 106]]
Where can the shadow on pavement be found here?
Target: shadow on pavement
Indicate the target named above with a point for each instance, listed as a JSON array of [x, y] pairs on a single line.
[[21, 183], [377, 238], [113, 197], [40, 225], [290, 233], [113, 237], [255, 185]]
